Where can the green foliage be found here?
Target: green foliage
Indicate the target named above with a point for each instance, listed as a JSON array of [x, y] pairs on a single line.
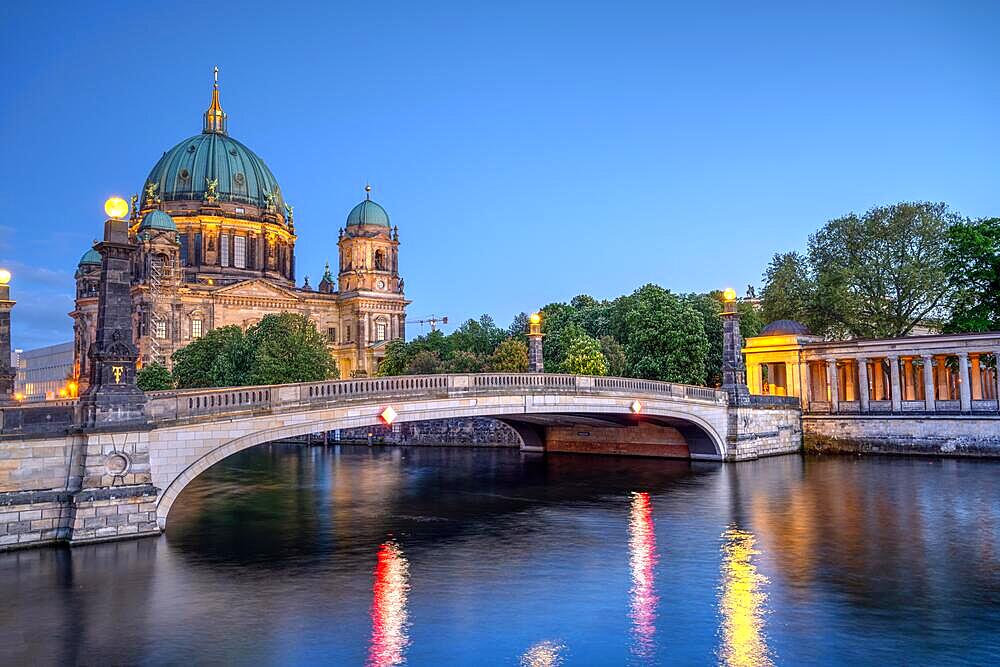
[[511, 356], [154, 377], [664, 336], [614, 355], [464, 361], [425, 362], [194, 364], [519, 327], [278, 349], [788, 289], [974, 269], [710, 307], [396, 360], [584, 357]]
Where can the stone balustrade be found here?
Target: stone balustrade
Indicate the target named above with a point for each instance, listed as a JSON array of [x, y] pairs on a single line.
[[183, 405]]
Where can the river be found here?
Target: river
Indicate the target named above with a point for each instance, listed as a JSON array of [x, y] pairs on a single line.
[[449, 556]]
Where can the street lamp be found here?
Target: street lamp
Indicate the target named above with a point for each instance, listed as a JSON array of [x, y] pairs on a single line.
[[116, 208], [4, 276], [536, 364]]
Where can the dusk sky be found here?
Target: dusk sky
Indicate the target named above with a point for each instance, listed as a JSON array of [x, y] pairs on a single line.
[[528, 152]]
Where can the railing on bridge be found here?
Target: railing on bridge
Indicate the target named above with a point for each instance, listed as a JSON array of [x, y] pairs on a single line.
[[192, 403]]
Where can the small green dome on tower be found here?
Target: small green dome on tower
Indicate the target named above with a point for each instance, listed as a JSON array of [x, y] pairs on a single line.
[[90, 257], [157, 220], [368, 213]]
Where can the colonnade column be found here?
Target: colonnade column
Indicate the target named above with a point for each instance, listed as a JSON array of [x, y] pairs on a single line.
[[964, 391], [863, 383], [895, 390], [831, 375], [976, 377], [929, 390], [805, 396], [996, 375]]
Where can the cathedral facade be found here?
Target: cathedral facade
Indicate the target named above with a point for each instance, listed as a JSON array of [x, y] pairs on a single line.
[[216, 247]]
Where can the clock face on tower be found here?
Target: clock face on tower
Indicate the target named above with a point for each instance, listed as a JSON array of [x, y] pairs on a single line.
[[381, 284]]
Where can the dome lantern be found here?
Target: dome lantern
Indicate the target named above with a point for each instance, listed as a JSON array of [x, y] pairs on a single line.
[[215, 117]]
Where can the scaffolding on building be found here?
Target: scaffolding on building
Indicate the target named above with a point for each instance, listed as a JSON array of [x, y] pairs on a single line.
[[161, 281]]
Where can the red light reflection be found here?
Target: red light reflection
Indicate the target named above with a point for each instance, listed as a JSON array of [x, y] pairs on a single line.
[[389, 626], [642, 561]]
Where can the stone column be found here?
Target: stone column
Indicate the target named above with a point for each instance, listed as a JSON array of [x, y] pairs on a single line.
[[929, 390], [831, 374], [805, 387], [863, 383], [112, 397], [536, 362], [734, 370], [964, 391], [975, 377], [909, 388], [895, 391], [7, 372]]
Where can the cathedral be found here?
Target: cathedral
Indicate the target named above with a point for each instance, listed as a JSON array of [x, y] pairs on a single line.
[[216, 247]]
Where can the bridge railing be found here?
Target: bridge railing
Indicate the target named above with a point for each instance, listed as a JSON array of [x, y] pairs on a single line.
[[165, 406]]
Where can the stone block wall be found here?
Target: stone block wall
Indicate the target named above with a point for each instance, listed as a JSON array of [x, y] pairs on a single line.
[[457, 431], [28, 519], [937, 435], [108, 514], [763, 431]]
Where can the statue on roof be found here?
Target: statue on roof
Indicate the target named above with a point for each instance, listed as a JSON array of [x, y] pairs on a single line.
[[211, 196]]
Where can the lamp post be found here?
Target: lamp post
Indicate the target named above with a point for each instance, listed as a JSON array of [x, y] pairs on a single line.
[[112, 396], [536, 363], [7, 372], [734, 370]]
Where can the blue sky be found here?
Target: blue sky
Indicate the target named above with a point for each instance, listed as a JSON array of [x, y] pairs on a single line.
[[528, 152]]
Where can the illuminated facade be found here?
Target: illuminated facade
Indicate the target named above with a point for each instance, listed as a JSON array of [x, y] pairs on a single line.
[[216, 245], [925, 373]]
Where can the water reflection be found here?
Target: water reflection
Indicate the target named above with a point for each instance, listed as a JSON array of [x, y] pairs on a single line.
[[389, 624], [543, 654], [642, 560], [742, 603]]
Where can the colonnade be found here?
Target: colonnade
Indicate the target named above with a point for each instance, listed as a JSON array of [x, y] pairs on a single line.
[[959, 381]]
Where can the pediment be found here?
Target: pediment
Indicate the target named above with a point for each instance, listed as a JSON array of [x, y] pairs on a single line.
[[256, 289]]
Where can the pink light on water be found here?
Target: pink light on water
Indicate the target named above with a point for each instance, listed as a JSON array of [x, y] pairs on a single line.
[[389, 622], [642, 562]]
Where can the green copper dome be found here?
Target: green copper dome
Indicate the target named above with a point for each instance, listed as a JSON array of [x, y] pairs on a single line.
[[90, 257], [185, 172], [368, 213], [158, 220]]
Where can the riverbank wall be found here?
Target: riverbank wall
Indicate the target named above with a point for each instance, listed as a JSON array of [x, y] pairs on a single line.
[[924, 435]]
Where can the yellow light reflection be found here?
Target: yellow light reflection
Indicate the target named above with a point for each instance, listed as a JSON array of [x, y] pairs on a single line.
[[389, 622], [742, 604], [642, 562], [543, 654]]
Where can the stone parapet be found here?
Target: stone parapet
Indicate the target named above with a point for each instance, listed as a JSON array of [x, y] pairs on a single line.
[[933, 435]]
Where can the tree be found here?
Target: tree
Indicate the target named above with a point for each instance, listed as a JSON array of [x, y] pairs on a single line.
[[788, 289], [880, 274], [154, 377], [974, 270], [614, 355], [664, 337], [511, 356], [519, 327], [464, 361], [194, 364], [396, 359], [425, 362], [288, 348], [584, 357], [710, 307]]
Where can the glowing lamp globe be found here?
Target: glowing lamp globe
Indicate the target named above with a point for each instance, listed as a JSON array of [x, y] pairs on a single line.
[[116, 208], [535, 318], [4, 276], [729, 294]]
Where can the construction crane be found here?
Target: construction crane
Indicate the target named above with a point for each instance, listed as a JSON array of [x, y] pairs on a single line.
[[432, 320]]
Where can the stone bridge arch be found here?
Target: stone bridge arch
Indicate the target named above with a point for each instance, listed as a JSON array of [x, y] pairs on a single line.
[[179, 454]]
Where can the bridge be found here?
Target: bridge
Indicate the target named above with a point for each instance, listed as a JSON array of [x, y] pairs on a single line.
[[60, 480]]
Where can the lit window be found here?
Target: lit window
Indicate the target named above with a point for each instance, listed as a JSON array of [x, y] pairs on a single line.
[[195, 328], [380, 331], [160, 328], [240, 252], [224, 249]]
